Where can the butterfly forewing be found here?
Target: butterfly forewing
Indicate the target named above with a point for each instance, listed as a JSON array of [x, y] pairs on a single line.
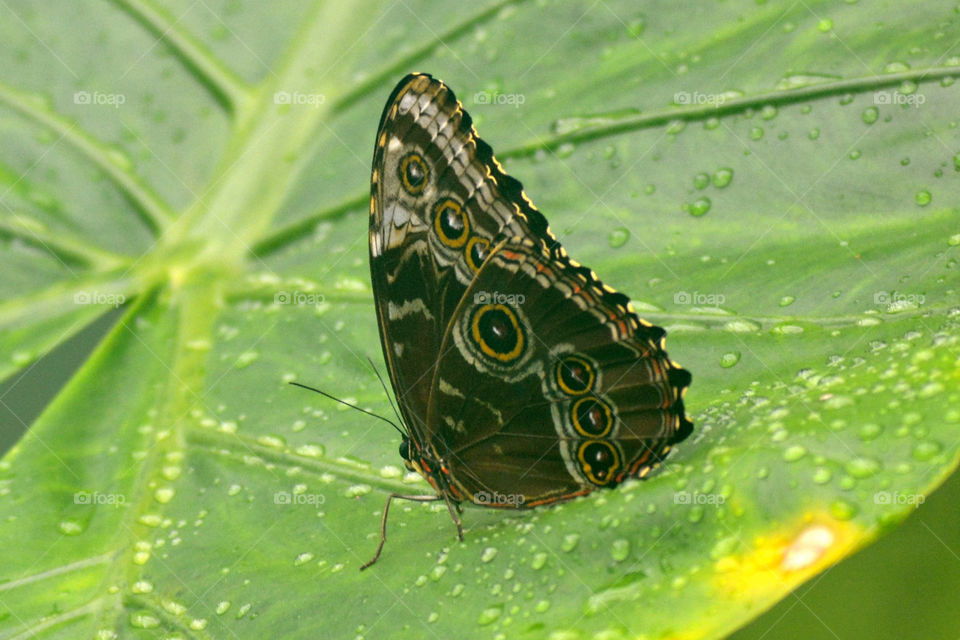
[[435, 210]]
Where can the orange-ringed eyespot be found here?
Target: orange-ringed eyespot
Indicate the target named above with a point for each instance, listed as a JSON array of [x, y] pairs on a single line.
[[575, 375], [450, 223], [413, 173], [497, 331], [599, 460], [592, 417]]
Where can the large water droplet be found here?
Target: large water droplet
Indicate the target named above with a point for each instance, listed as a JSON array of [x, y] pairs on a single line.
[[722, 177], [843, 510], [729, 359], [570, 542], [620, 549], [699, 207], [794, 453], [71, 527], [618, 237], [924, 451], [862, 467], [144, 620], [488, 615]]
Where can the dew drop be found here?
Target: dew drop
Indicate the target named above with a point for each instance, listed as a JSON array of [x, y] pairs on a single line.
[[869, 431], [786, 301], [141, 586], [701, 180], [699, 207], [71, 527], [742, 326], [870, 115], [144, 620], [356, 490], [570, 542], [722, 177], [163, 495], [539, 560], [488, 615], [794, 453], [926, 450], [922, 197], [245, 359], [729, 359], [618, 237], [822, 475], [843, 510], [696, 513], [302, 559], [620, 549], [311, 450], [488, 554], [862, 467], [814, 133]]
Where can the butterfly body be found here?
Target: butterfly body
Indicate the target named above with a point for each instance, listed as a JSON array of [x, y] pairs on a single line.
[[521, 378]]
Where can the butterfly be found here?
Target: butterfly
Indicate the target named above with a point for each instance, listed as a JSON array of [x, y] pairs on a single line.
[[521, 379]]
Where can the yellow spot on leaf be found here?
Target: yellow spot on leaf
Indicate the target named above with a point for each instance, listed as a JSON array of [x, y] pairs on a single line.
[[779, 561]]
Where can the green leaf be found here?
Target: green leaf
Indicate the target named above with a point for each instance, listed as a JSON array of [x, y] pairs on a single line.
[[774, 185]]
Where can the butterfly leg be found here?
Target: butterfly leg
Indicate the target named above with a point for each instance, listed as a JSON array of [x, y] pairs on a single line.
[[383, 522], [455, 516]]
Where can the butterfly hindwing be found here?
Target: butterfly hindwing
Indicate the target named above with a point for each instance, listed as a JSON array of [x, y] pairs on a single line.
[[553, 386]]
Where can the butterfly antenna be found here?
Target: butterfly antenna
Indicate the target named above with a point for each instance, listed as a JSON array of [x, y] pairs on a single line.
[[352, 406], [385, 390]]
